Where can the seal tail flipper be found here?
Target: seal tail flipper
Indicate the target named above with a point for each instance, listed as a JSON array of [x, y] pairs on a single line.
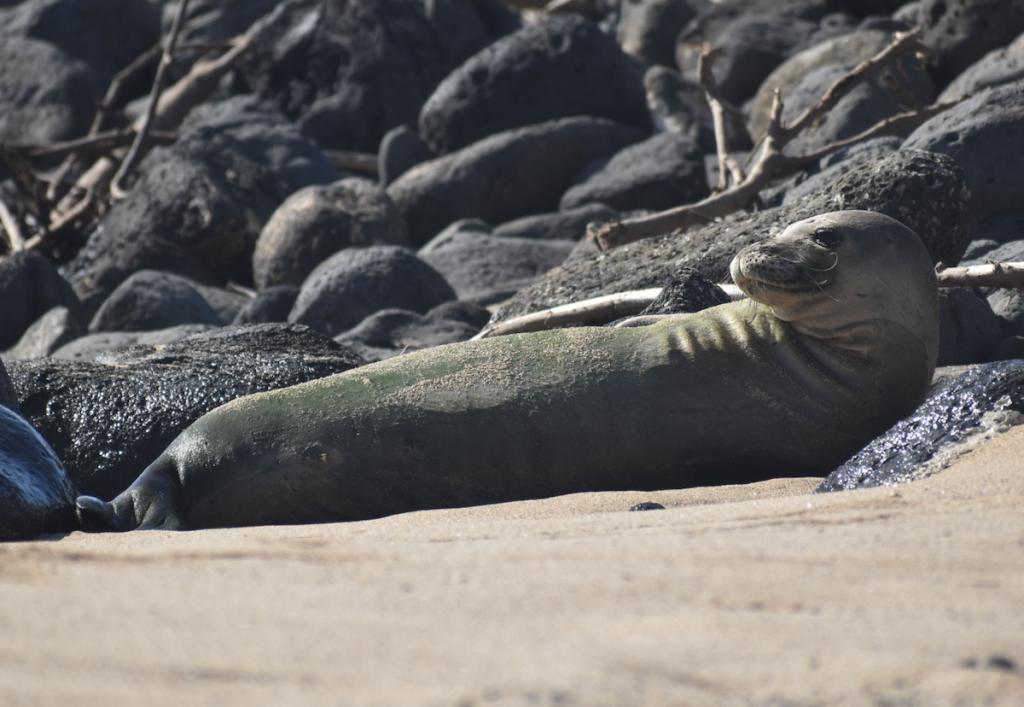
[[151, 503]]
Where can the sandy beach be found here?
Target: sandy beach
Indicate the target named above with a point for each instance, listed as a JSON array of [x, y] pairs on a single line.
[[742, 595]]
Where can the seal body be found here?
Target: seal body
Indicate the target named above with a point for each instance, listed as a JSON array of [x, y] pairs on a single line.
[[729, 394]]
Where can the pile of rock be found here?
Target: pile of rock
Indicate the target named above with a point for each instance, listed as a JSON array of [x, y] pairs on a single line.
[[500, 135]]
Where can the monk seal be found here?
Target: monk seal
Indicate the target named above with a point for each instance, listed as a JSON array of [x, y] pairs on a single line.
[[837, 342]]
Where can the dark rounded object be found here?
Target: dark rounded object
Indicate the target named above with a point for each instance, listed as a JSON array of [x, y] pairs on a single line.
[[648, 506], [151, 300], [271, 305], [29, 288], [36, 495], [356, 282], [559, 67], [401, 149]]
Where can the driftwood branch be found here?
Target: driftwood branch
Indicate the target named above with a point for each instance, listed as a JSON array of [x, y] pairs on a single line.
[[771, 162], [622, 304], [100, 142], [135, 153], [726, 164], [10, 224], [994, 274], [353, 161]]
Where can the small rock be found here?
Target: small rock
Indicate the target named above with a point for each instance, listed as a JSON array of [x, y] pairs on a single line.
[[51, 331], [968, 328], [648, 29], [316, 222], [687, 291], [271, 305], [393, 332], [151, 300], [356, 282], [401, 149], [1008, 306], [8, 398], [471, 313], [109, 419], [647, 506], [486, 268], [505, 176], [29, 288], [36, 495], [661, 172], [570, 224], [559, 67]]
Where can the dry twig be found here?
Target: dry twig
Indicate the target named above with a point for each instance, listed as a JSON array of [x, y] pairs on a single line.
[[10, 224], [994, 274], [135, 153], [353, 161], [770, 162]]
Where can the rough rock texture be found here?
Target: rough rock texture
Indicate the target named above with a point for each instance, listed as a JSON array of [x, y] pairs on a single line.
[[469, 313], [29, 287], [932, 200], [959, 32], [559, 67], [392, 332], [356, 282], [8, 398], [318, 221], [209, 194], [985, 135], [836, 165], [505, 176], [271, 305], [36, 495], [998, 67], [486, 268], [348, 72], [109, 419], [151, 300], [54, 329], [92, 346], [648, 29], [401, 149], [849, 49], [751, 46], [663, 171], [570, 224], [870, 103], [985, 400], [969, 330], [105, 34], [678, 105], [45, 95], [687, 291]]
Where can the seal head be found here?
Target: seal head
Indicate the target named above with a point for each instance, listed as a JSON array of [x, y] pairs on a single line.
[[849, 278]]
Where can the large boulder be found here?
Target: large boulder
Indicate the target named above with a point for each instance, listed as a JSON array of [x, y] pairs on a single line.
[[959, 32], [393, 332], [647, 29], [208, 195], [923, 190], [350, 70], [150, 300], [505, 176], [356, 282], [318, 221], [661, 172], [45, 95], [998, 67], [985, 135], [110, 418], [559, 67], [36, 495]]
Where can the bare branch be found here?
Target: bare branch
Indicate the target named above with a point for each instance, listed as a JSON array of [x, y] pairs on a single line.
[[135, 153], [10, 224], [770, 162], [101, 142], [994, 274], [353, 161], [617, 305], [713, 96]]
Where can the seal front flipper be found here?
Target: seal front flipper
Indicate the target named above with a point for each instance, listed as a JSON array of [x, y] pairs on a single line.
[[151, 503]]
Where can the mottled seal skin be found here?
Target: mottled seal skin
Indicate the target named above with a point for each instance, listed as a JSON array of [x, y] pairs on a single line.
[[837, 343]]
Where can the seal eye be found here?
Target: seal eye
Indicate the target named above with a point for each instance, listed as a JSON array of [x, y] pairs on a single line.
[[827, 238]]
